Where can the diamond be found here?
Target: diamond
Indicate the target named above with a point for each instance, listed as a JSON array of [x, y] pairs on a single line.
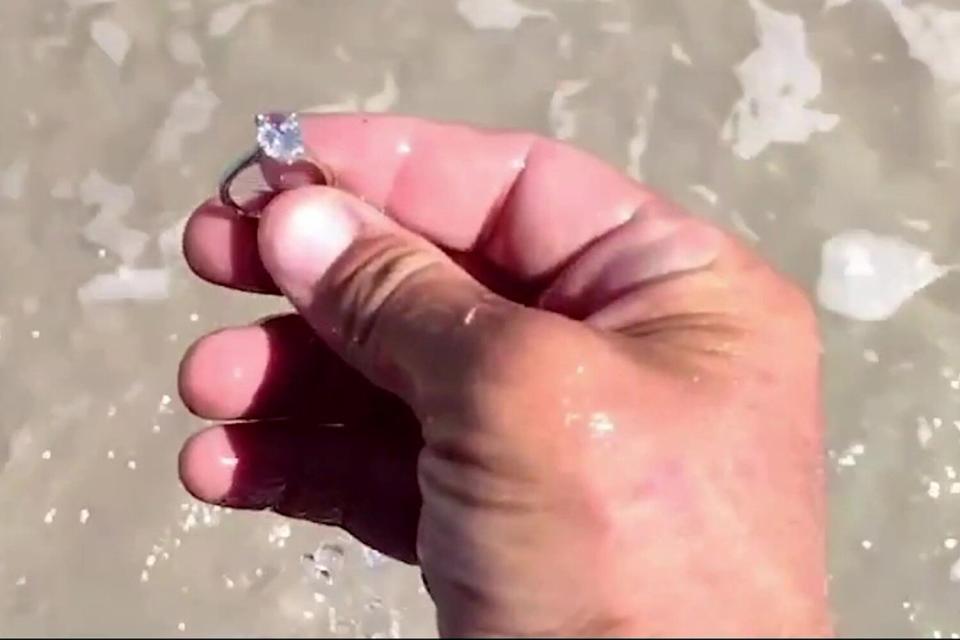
[[279, 136]]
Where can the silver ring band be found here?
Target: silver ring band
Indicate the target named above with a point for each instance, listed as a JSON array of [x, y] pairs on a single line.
[[239, 167]]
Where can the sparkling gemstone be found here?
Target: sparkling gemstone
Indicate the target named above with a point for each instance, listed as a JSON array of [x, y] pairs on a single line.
[[279, 136]]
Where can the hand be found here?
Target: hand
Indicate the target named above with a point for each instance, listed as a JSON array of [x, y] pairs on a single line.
[[582, 411]]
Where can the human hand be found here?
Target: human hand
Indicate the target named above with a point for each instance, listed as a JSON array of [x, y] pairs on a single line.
[[582, 411]]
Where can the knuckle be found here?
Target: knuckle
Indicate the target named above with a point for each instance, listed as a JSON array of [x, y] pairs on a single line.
[[371, 277]]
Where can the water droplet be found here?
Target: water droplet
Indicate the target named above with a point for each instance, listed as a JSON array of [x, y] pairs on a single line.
[[278, 534], [84, 516], [601, 424], [50, 515]]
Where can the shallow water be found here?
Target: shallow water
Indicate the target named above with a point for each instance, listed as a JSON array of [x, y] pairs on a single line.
[[791, 122]]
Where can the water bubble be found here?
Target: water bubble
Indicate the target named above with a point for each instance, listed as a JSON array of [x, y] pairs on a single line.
[[325, 562]]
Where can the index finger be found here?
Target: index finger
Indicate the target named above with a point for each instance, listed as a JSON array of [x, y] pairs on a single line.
[[517, 201], [524, 202]]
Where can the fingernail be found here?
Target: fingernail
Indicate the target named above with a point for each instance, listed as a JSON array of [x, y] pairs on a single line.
[[303, 232]]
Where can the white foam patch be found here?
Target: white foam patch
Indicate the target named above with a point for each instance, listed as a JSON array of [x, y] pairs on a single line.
[[833, 4], [385, 99], [112, 39], [678, 53], [497, 14], [13, 180], [637, 144], [868, 277], [190, 112], [107, 228], [226, 18], [779, 80], [932, 34], [170, 240], [126, 283], [184, 48], [705, 192], [955, 571], [637, 147], [347, 104], [562, 118]]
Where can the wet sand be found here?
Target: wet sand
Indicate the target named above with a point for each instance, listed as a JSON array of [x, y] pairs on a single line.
[[806, 126]]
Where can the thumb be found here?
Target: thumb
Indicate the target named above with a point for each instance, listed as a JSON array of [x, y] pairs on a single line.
[[386, 300]]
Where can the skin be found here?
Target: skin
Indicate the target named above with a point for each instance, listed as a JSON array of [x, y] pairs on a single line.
[[581, 410]]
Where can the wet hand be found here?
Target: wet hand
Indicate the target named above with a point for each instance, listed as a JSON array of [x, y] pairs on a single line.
[[579, 409]]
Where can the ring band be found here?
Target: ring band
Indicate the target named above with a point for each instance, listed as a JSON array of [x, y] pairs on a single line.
[[249, 160]]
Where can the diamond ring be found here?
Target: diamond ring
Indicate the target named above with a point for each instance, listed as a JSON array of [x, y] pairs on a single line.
[[279, 146]]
